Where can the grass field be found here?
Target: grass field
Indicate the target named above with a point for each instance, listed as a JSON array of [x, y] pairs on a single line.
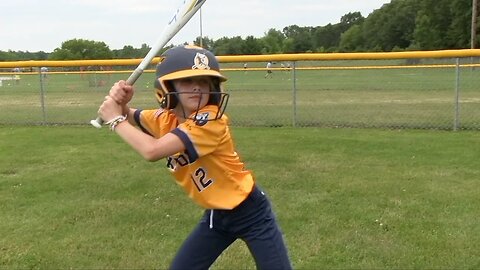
[[391, 98], [77, 197]]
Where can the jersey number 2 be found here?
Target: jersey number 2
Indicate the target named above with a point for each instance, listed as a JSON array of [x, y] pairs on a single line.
[[200, 180]]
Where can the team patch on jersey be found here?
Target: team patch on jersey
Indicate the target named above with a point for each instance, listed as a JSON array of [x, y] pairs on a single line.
[[201, 119]]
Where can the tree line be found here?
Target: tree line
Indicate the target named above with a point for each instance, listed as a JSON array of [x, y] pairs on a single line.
[[397, 26]]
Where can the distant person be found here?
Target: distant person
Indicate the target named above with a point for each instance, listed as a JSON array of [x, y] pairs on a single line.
[[16, 76], [44, 71], [269, 70]]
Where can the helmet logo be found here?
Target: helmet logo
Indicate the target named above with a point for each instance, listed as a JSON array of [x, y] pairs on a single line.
[[200, 61]]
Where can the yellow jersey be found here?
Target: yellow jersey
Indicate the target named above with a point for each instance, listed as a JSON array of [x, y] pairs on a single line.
[[209, 170]]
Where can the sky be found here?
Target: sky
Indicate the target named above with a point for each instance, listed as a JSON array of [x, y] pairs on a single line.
[[42, 25]]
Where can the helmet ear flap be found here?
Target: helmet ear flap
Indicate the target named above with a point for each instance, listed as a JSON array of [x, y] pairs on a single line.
[[161, 98], [166, 97], [171, 99], [160, 94]]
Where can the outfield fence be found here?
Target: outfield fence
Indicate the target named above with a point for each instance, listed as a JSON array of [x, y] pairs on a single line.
[[425, 90]]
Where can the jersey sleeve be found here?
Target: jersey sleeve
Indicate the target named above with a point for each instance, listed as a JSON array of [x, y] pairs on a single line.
[[201, 137], [149, 121]]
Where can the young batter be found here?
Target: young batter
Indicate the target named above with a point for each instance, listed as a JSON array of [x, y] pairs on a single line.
[[192, 133]]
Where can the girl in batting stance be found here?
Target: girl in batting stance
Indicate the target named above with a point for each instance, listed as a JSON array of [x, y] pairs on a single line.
[[191, 131]]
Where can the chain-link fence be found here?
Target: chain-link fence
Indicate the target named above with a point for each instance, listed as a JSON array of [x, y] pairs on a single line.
[[427, 93]]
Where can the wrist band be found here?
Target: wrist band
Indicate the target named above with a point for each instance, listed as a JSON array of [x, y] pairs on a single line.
[[115, 121]]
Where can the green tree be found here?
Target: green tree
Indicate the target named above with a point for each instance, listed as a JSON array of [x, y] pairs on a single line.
[[433, 21], [326, 38], [144, 49], [252, 45], [391, 26], [352, 40], [126, 52], [272, 41], [81, 49], [302, 40], [424, 36], [206, 43], [288, 45], [8, 56], [22, 56], [458, 35], [228, 46]]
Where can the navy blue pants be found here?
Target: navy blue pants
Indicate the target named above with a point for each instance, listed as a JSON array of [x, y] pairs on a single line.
[[252, 221]]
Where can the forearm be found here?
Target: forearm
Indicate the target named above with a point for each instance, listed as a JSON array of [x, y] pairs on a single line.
[[139, 141], [148, 147]]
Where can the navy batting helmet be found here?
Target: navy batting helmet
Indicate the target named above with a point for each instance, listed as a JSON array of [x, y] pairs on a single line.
[[183, 62]]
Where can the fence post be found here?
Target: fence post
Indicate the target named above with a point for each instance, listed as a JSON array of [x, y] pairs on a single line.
[[294, 93], [457, 90], [42, 96]]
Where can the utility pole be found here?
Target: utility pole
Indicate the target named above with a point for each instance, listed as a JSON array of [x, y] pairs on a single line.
[[473, 38], [201, 30]]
